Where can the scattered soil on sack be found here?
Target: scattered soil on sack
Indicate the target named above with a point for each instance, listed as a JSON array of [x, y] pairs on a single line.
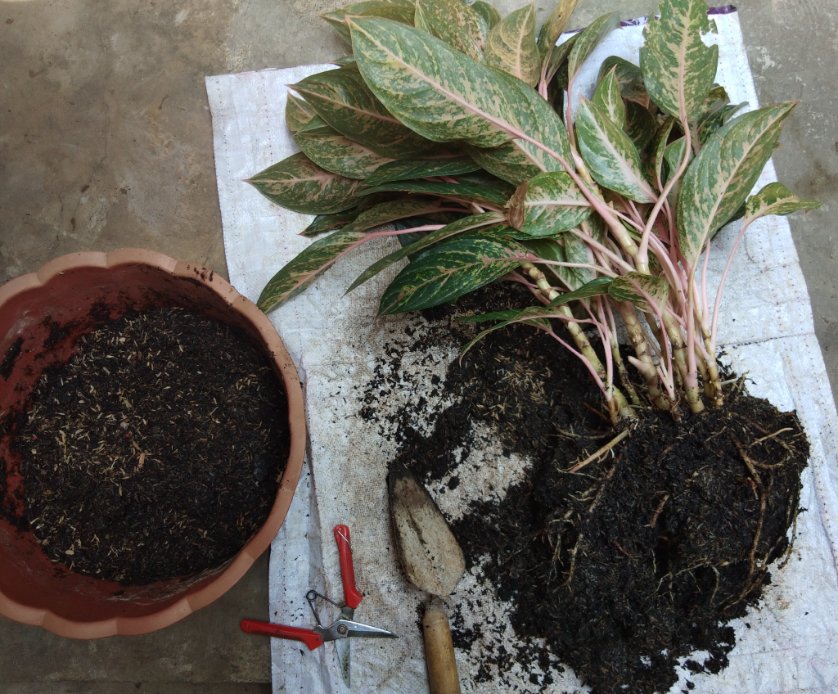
[[155, 451], [638, 559]]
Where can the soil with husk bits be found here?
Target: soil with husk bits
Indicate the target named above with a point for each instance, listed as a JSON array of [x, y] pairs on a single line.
[[625, 566], [155, 451]]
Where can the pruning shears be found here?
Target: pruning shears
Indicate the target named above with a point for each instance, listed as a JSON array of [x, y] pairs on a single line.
[[341, 629]]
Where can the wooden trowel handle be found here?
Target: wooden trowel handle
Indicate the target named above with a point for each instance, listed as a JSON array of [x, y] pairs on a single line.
[[439, 650]]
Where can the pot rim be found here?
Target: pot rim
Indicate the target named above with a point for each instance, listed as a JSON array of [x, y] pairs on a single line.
[[191, 601]]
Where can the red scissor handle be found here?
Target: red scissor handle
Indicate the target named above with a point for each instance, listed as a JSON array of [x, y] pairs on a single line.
[[351, 595], [310, 638]]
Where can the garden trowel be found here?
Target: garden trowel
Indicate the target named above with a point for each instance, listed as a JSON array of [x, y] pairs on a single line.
[[433, 562]]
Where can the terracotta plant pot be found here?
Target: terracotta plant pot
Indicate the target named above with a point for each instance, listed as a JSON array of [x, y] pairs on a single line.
[[71, 291]]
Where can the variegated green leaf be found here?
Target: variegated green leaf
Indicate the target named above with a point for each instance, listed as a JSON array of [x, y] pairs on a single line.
[[775, 198], [594, 227], [329, 222], [564, 249], [556, 62], [635, 287], [720, 178], [452, 97], [673, 155], [511, 46], [397, 10], [454, 22], [610, 154], [391, 210], [662, 137], [714, 119], [507, 162], [556, 23], [407, 170], [608, 97], [306, 267], [588, 39], [448, 271], [347, 61], [629, 77], [678, 68], [479, 189], [300, 185], [544, 138], [426, 240], [579, 252], [330, 150], [547, 204], [640, 126], [489, 16], [298, 114], [342, 99]]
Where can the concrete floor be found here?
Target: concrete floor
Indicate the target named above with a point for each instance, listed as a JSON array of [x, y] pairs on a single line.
[[105, 141]]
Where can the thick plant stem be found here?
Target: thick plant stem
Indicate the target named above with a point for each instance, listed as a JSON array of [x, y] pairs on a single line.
[[679, 355], [713, 386], [618, 406], [636, 336], [622, 371]]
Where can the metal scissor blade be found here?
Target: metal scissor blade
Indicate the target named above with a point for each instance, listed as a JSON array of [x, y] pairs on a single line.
[[346, 628]]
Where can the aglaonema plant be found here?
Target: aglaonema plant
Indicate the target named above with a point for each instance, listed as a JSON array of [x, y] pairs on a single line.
[[460, 133]]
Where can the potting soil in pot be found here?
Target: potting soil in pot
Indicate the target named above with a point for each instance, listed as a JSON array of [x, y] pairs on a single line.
[[156, 450]]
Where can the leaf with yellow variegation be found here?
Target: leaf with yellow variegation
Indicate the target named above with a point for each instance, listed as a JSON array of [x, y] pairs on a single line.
[[300, 185], [610, 154], [454, 22], [556, 23], [453, 97], [511, 46], [298, 114], [588, 39], [342, 99], [637, 288], [547, 204], [456, 228], [397, 10], [334, 152], [775, 198], [678, 67], [392, 210], [720, 178], [609, 99], [306, 267], [448, 271]]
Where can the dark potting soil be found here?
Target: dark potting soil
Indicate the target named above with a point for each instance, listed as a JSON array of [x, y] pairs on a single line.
[[156, 450], [632, 562]]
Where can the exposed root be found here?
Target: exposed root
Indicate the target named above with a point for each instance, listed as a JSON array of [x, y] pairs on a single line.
[[580, 539], [653, 521], [600, 452], [770, 436], [755, 573]]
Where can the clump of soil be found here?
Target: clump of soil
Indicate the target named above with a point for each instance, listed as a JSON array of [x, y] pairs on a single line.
[[155, 451], [636, 560]]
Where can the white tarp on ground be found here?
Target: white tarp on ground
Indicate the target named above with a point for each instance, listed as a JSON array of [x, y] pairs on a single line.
[[766, 332]]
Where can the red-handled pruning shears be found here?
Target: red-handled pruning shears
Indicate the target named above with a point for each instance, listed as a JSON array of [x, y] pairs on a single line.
[[344, 627]]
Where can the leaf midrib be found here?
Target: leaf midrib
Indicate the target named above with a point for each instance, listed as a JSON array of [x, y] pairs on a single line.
[[501, 124], [754, 143], [377, 115]]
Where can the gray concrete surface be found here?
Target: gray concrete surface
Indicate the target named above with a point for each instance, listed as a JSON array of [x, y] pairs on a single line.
[[106, 141]]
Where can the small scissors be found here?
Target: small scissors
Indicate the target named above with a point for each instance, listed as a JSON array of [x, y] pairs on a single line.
[[342, 628]]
